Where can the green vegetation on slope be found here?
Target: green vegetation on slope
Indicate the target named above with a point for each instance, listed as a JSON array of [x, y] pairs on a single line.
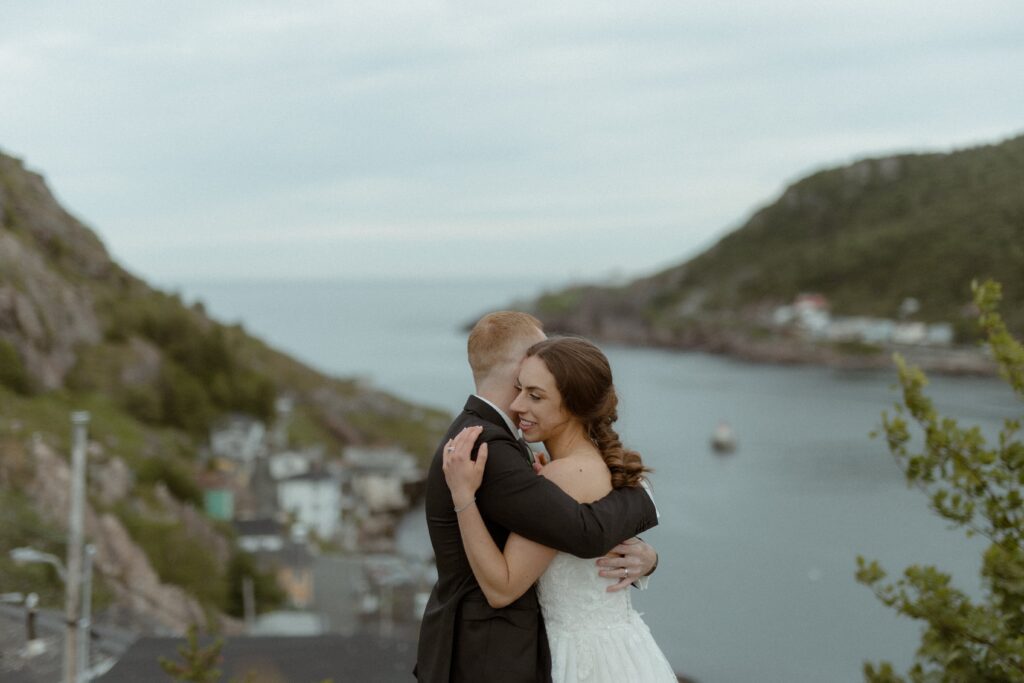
[[866, 235]]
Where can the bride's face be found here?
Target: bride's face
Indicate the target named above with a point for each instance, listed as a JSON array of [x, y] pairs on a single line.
[[538, 405]]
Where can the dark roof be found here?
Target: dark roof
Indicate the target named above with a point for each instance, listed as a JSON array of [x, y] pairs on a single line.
[[258, 527], [312, 475], [305, 659]]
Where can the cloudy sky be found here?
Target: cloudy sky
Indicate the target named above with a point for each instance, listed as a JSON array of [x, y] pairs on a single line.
[[548, 140]]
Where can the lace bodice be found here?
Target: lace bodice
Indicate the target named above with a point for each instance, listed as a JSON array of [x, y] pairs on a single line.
[[573, 596]]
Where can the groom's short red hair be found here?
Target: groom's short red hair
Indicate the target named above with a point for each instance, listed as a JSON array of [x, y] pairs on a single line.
[[493, 335]]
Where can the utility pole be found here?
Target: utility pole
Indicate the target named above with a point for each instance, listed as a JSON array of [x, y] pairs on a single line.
[[85, 623], [249, 603], [30, 616], [73, 600]]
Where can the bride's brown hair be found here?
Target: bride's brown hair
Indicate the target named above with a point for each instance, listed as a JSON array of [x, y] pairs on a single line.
[[584, 379]]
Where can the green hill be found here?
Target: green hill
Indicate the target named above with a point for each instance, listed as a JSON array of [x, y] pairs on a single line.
[[867, 236]]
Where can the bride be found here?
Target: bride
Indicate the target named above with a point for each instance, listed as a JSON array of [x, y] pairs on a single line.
[[567, 400]]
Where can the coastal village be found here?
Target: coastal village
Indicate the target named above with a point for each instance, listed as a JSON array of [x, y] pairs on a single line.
[[300, 513], [323, 527], [809, 315]]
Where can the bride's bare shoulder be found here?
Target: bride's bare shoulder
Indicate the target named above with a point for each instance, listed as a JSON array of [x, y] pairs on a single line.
[[585, 479]]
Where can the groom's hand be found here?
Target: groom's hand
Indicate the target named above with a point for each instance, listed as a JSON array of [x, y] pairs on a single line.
[[629, 561]]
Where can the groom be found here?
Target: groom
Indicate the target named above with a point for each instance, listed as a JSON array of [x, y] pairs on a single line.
[[462, 638]]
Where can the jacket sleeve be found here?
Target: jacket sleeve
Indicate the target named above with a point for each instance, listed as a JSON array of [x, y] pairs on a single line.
[[520, 500]]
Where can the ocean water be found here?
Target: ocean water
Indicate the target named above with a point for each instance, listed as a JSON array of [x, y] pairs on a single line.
[[757, 549]]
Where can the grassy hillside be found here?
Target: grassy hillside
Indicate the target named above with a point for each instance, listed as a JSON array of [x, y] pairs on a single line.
[[866, 235]]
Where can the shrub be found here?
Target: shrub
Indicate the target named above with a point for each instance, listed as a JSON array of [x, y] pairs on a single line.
[[12, 370], [175, 475], [177, 557]]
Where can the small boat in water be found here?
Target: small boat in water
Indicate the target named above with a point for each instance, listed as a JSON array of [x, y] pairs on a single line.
[[722, 439]]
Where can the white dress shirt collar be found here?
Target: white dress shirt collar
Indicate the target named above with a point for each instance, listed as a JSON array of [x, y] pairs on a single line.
[[511, 427]]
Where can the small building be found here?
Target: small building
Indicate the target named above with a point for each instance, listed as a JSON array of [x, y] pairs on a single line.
[[939, 334], [862, 329], [378, 478], [910, 333], [808, 311], [256, 535], [218, 495], [291, 563], [219, 504], [877, 331], [289, 623], [238, 437], [287, 464], [314, 499]]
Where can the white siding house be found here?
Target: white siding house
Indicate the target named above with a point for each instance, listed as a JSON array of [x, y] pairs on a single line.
[[314, 499], [238, 437]]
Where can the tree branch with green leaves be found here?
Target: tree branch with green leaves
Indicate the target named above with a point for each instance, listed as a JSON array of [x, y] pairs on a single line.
[[976, 486]]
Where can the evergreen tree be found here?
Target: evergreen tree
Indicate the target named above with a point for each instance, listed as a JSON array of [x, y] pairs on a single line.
[[198, 664]]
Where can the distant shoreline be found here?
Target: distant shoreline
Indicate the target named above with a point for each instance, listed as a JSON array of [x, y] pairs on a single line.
[[954, 361], [950, 361]]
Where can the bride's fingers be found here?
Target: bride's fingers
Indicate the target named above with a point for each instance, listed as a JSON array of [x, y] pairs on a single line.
[[471, 432], [458, 449], [459, 443], [467, 437], [619, 585], [481, 456]]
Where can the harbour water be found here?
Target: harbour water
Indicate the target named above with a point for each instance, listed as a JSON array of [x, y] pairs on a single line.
[[757, 548]]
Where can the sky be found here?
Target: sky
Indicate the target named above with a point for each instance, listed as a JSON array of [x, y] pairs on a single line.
[[549, 141]]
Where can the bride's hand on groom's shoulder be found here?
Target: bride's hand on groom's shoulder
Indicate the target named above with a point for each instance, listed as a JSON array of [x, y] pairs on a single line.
[[461, 472]]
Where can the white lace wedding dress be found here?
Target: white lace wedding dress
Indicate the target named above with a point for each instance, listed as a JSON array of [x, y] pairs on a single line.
[[595, 636]]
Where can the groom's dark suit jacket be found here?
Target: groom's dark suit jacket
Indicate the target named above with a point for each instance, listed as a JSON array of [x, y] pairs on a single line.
[[462, 638]]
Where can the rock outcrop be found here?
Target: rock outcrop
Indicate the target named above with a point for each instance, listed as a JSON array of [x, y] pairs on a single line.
[[42, 315], [119, 559]]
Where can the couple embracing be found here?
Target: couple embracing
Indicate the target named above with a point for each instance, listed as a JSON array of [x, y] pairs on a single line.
[[516, 599]]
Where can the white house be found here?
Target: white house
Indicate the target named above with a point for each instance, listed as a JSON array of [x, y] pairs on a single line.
[[314, 499], [940, 334], [377, 477], [910, 333], [809, 311], [288, 464], [238, 437], [869, 330]]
